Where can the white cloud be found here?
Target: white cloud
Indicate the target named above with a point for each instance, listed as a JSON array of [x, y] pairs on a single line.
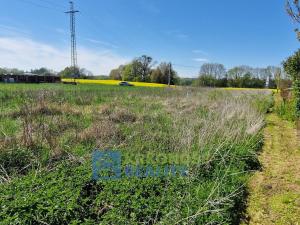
[[25, 53], [200, 60], [13, 31], [104, 43], [197, 51], [177, 34]]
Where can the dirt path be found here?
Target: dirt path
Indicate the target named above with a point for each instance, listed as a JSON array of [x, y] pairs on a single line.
[[275, 191]]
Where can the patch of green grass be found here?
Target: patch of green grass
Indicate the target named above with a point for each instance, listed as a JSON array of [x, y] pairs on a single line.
[[286, 205], [274, 194]]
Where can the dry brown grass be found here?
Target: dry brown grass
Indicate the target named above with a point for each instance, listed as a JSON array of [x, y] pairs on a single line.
[[122, 115], [45, 109], [104, 133], [228, 119]]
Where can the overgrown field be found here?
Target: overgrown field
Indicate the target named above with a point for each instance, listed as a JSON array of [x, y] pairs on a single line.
[[48, 134]]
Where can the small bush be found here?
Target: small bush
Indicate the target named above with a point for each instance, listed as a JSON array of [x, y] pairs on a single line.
[[15, 161], [287, 110]]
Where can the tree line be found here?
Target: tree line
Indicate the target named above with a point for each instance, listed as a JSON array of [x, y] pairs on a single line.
[[68, 72], [216, 75], [145, 69], [142, 69]]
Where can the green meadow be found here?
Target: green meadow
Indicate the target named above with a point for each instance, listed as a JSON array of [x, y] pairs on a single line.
[[48, 133]]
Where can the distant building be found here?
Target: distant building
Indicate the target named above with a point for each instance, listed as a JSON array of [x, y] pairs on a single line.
[[29, 78], [267, 82]]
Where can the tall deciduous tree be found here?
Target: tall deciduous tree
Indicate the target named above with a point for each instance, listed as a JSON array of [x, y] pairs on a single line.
[[162, 72], [141, 68], [145, 62], [215, 70], [128, 74], [236, 72], [117, 74], [278, 77], [293, 9]]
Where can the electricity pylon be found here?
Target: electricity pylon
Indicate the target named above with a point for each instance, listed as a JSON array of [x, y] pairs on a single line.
[[72, 13]]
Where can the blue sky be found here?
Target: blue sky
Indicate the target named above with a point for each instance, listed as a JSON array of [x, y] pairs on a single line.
[[35, 33]]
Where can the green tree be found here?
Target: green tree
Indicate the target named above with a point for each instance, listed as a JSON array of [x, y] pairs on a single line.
[[293, 9], [187, 81], [10, 71], [216, 70], [141, 68], [116, 74], [292, 68], [236, 72], [144, 63], [138, 70], [236, 76], [205, 81], [210, 73], [162, 72], [84, 73], [71, 72], [42, 71], [127, 73]]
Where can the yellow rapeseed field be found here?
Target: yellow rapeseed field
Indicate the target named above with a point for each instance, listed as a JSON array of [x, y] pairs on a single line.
[[144, 84], [113, 82]]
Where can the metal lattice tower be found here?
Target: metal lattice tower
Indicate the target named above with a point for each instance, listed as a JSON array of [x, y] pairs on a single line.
[[72, 13]]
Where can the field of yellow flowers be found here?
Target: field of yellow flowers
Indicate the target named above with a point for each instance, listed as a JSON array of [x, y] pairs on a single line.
[[114, 82], [145, 84]]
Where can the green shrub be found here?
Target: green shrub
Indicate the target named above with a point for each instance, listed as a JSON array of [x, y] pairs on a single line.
[[286, 110]]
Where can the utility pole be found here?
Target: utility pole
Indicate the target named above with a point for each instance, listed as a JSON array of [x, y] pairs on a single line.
[[169, 77], [72, 13]]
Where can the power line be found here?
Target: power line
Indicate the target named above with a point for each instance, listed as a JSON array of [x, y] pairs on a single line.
[[56, 4], [187, 66], [38, 5], [94, 23], [169, 75]]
